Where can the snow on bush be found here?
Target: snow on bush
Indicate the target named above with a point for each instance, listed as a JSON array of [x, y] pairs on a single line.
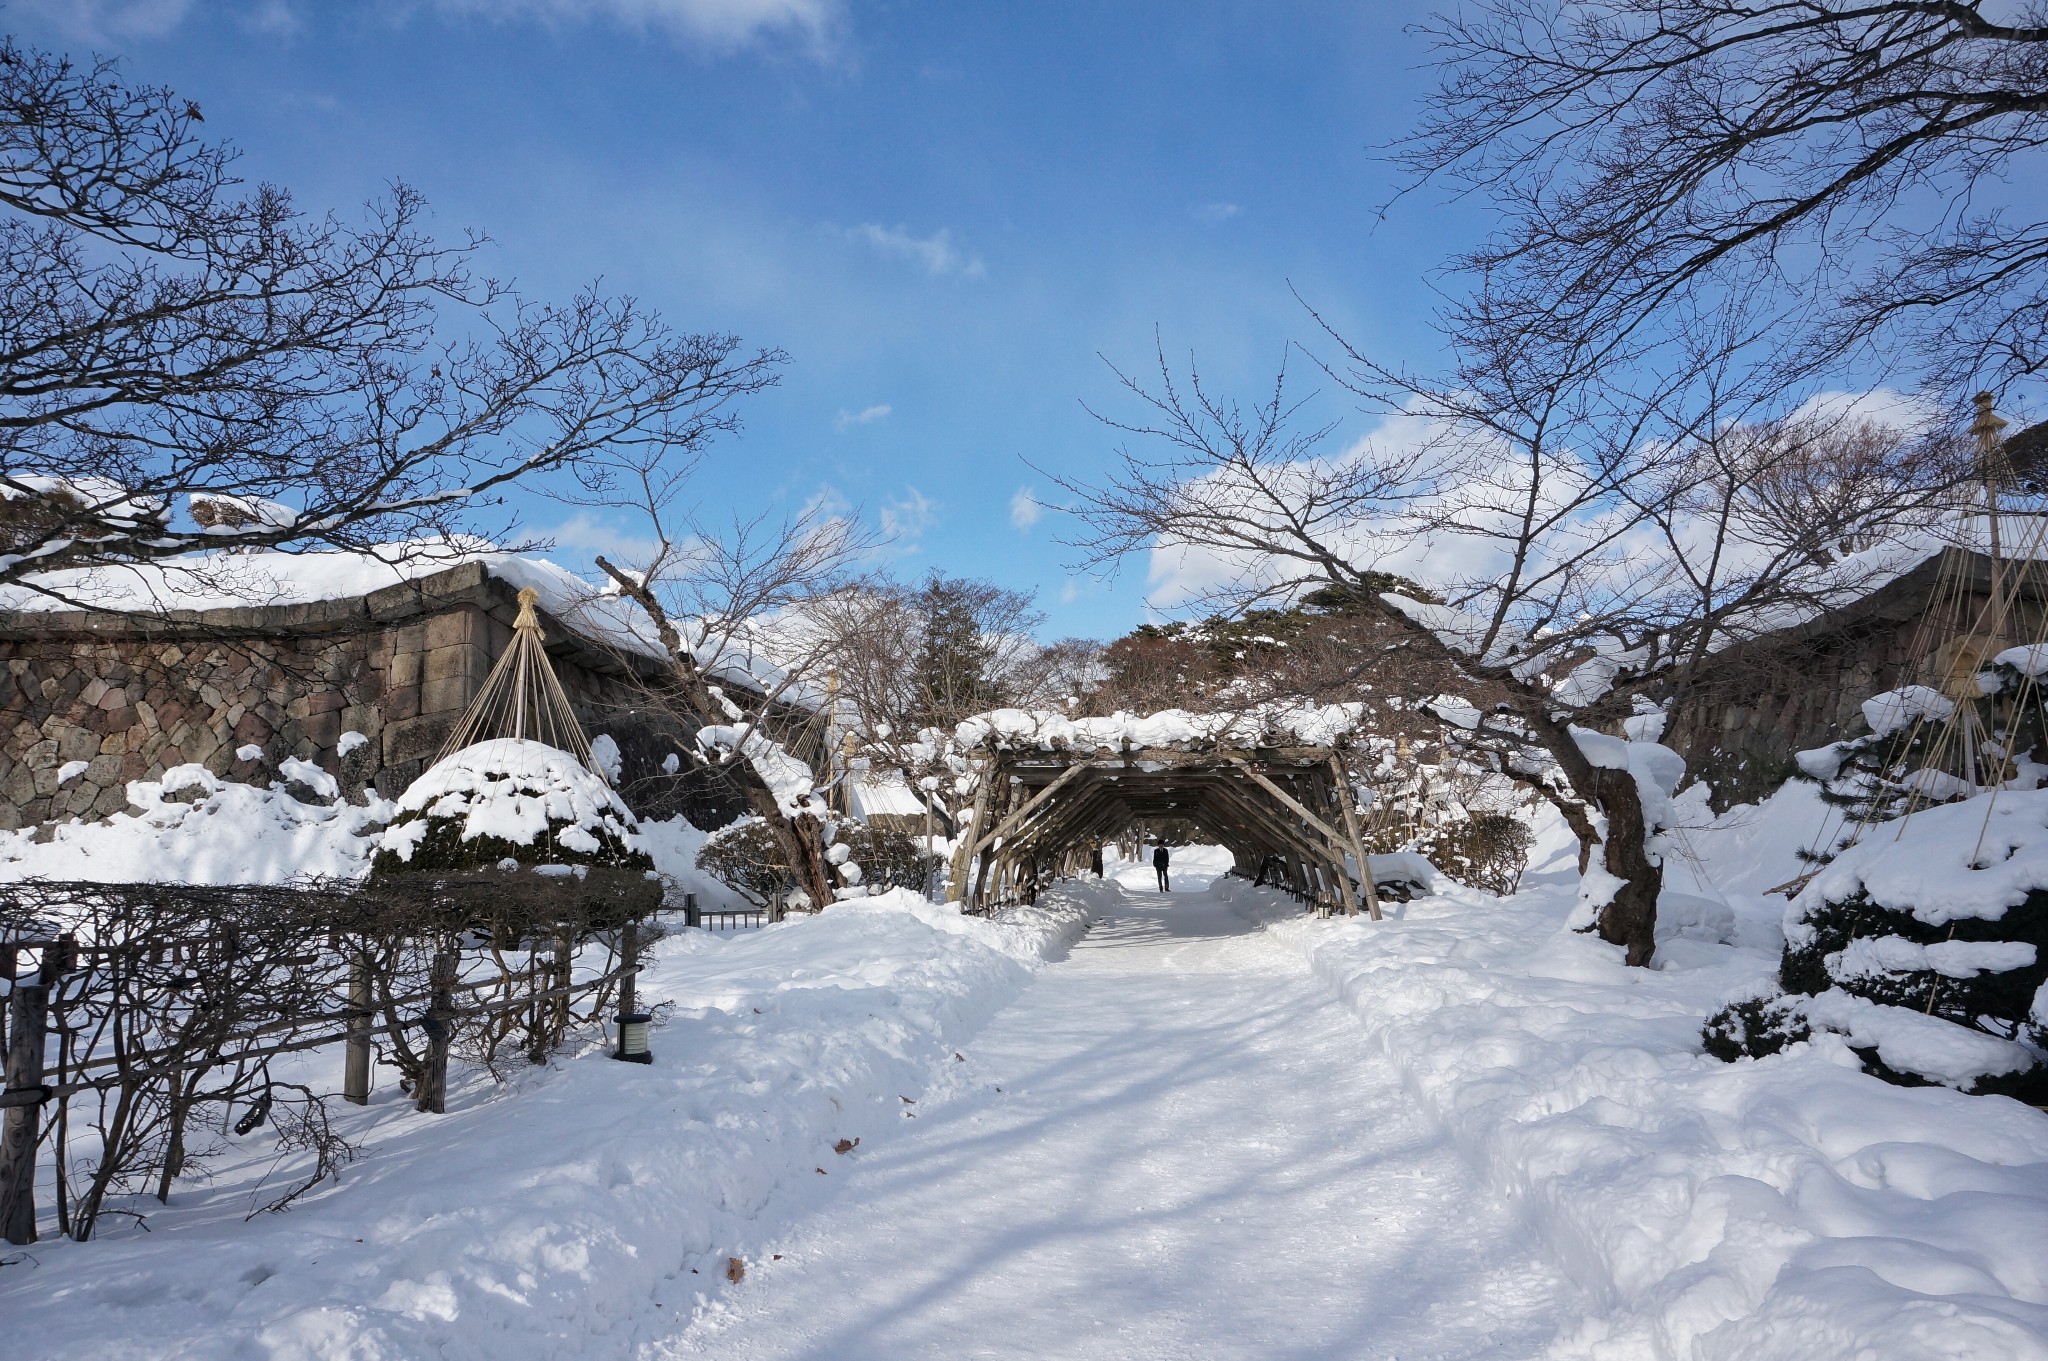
[[1895, 709], [1791, 1206], [509, 798], [552, 1223], [1925, 946], [604, 757], [744, 856]]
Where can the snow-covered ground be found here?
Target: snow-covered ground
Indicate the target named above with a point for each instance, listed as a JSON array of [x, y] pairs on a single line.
[[1790, 1207], [1217, 1128], [575, 1211], [1175, 1144]]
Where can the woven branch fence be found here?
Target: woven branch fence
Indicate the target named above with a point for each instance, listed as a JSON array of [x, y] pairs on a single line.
[[148, 1027]]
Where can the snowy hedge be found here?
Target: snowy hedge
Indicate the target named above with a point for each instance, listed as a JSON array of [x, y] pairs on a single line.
[[1926, 946]]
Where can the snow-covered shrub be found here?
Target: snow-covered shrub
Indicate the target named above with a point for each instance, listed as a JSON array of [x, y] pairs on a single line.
[[508, 803], [1915, 746], [1927, 946], [1755, 1028], [1486, 851], [745, 856]]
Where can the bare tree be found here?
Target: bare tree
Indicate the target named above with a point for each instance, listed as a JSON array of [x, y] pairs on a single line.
[[915, 659], [1552, 512], [1842, 166], [188, 363], [730, 608]]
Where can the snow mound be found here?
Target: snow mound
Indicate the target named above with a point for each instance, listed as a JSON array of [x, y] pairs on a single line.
[[1974, 859], [192, 827]]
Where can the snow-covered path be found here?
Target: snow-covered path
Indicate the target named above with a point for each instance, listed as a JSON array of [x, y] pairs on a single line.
[[1171, 1145]]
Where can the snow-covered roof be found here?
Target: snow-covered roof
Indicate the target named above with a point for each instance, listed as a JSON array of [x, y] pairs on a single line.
[[228, 580], [1311, 725]]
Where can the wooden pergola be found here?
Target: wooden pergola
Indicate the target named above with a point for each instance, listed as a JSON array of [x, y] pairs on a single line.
[[1050, 797]]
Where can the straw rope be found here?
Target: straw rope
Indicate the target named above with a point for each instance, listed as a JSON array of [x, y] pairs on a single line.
[[522, 697]]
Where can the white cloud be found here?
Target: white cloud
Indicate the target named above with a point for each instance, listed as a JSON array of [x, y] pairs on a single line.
[[846, 420], [1024, 508], [583, 531], [936, 252], [1217, 212], [906, 520], [723, 25], [100, 20], [1070, 592], [827, 502]]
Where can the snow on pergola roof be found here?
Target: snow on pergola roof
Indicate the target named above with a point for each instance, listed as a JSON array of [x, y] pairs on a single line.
[[1267, 725]]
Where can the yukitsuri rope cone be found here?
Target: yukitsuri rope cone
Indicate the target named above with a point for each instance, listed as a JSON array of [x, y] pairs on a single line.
[[522, 698], [515, 784], [1924, 941]]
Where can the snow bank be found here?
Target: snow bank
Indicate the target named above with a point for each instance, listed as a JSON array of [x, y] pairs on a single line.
[[585, 1208], [228, 834], [1784, 1207]]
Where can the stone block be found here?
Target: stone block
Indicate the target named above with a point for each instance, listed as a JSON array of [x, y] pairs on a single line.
[[322, 730], [472, 664], [78, 744], [251, 727], [43, 755], [319, 702], [367, 719], [114, 744], [416, 739], [401, 703], [455, 629], [450, 696]]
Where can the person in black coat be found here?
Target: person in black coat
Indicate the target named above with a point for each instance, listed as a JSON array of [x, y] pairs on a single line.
[[1159, 859]]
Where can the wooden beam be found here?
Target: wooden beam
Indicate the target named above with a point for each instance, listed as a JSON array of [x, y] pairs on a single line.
[[1292, 803], [963, 852], [1003, 829], [1366, 885]]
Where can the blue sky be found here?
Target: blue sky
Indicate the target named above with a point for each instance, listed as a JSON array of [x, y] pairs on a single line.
[[944, 212]]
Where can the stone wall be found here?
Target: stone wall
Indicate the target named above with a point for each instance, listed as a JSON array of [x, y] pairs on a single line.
[[132, 696], [1758, 703]]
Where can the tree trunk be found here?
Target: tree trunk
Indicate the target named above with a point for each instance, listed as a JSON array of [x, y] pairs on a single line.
[[800, 838], [1629, 918]]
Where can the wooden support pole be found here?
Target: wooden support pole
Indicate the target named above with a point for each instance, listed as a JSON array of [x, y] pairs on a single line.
[[362, 1005], [629, 961], [1366, 886], [21, 1122], [440, 1028], [963, 849]]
